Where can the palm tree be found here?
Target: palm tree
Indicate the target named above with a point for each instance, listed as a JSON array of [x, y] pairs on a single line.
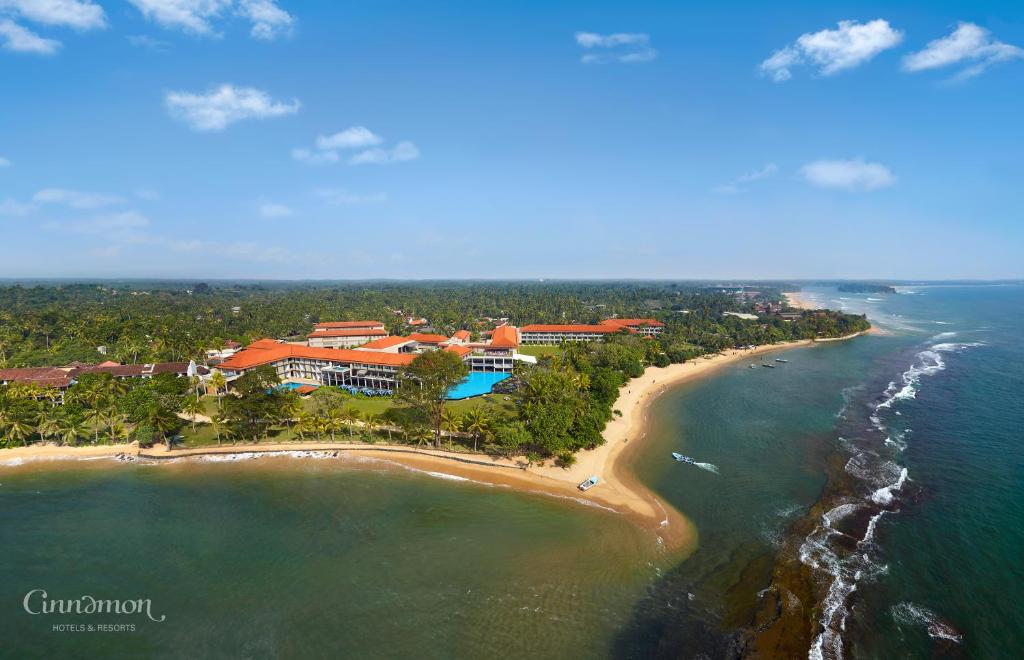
[[219, 383], [450, 422], [332, 421], [193, 408], [304, 423], [70, 431], [20, 427], [94, 418], [351, 417], [119, 431], [217, 422], [290, 411], [478, 423], [48, 427], [370, 423]]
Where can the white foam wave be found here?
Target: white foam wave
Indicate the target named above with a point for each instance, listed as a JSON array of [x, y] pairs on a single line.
[[911, 614], [836, 514], [883, 496], [869, 533], [707, 466], [13, 462], [445, 475]]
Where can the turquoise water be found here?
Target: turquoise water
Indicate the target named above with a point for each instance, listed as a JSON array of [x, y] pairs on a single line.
[[315, 558], [290, 386], [303, 559], [476, 383]]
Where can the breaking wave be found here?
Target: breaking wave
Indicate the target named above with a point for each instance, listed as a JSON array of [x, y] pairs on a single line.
[[916, 615], [844, 561]]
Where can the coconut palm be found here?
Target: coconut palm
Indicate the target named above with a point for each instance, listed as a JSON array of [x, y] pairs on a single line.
[[351, 417], [478, 423], [333, 420], [48, 426], [20, 427], [94, 417], [370, 423], [450, 422], [193, 408], [70, 431], [219, 384]]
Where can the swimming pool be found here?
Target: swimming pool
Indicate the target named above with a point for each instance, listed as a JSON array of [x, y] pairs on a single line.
[[477, 383], [292, 386]]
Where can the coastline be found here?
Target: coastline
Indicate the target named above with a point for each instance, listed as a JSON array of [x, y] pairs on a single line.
[[619, 491], [799, 300]]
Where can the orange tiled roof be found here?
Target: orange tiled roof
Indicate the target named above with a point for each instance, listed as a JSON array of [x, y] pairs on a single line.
[[596, 329], [462, 335], [505, 336], [427, 338], [348, 332], [267, 351], [386, 342], [349, 324], [461, 351]]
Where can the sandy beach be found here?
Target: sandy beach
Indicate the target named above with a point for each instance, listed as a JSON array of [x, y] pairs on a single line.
[[618, 491], [800, 300]]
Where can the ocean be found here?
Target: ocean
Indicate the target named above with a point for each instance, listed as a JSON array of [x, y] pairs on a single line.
[[867, 490]]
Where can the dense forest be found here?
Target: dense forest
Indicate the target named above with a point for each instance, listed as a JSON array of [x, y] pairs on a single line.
[[52, 325], [552, 409]]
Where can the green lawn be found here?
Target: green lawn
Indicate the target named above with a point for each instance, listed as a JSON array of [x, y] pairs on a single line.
[[493, 403], [541, 351]]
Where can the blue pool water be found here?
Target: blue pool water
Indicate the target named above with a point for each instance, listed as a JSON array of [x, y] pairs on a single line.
[[477, 383], [289, 386]]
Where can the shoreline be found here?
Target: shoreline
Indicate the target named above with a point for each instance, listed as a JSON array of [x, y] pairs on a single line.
[[799, 300], [619, 490]]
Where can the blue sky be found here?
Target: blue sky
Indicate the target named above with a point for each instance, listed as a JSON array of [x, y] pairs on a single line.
[[300, 139]]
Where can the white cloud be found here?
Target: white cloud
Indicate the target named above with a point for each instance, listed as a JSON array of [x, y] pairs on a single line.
[[271, 210], [402, 151], [14, 207], [77, 14], [4, 162], [968, 43], [356, 137], [22, 40], [268, 20], [624, 47], [848, 174], [345, 197], [76, 199], [733, 186], [832, 51], [220, 107]]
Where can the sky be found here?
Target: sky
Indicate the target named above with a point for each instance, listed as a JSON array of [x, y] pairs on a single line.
[[293, 139]]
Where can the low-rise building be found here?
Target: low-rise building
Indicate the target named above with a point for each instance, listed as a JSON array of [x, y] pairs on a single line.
[[558, 333], [345, 334]]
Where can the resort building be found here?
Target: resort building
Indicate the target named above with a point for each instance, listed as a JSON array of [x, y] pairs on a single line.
[[558, 333], [345, 334], [368, 369], [643, 327], [64, 377], [375, 365]]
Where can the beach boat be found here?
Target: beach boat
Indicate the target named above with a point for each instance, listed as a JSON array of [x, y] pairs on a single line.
[[683, 459], [770, 366], [753, 366], [589, 483], [781, 360]]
